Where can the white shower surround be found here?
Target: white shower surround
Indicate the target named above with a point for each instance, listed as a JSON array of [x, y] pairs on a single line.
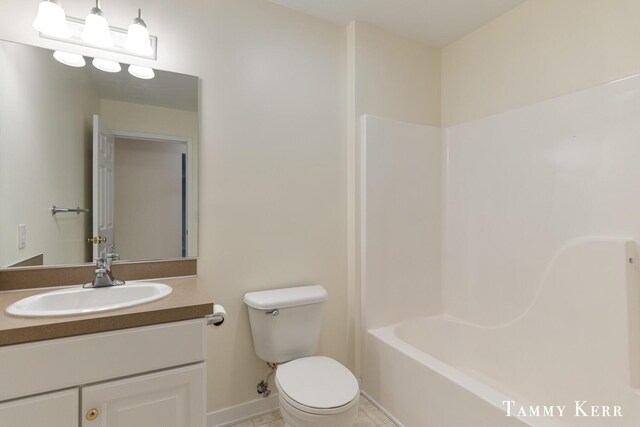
[[527, 181], [406, 245], [523, 287]]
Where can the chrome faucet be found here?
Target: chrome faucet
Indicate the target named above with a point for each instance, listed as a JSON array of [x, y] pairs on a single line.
[[104, 277]]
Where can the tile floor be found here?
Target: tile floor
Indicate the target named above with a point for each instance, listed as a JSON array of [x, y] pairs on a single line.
[[368, 416]]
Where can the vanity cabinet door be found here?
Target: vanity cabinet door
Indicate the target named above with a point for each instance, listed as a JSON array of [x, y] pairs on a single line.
[[58, 409], [171, 398]]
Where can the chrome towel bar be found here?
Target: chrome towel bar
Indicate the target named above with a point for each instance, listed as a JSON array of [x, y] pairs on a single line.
[[54, 210]]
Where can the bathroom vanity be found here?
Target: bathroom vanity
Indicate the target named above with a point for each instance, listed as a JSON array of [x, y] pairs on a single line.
[[129, 376], [137, 366]]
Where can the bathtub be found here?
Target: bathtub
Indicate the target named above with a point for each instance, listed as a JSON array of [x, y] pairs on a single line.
[[418, 389], [577, 341]]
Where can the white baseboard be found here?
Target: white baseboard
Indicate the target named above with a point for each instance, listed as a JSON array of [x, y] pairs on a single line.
[[384, 411], [245, 411]]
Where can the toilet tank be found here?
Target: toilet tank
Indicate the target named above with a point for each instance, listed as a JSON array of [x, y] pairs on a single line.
[[286, 323]]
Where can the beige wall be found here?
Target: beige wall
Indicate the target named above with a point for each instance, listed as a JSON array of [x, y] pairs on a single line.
[[272, 208], [148, 199], [45, 156], [539, 50], [388, 76], [272, 157], [395, 77], [126, 116]]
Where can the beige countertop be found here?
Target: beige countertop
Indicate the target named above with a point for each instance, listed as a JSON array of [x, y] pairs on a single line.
[[189, 300]]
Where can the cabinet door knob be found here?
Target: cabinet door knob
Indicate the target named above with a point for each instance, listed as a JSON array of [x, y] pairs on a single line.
[[92, 414]]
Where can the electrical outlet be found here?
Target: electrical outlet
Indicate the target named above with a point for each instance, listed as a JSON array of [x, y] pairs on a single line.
[[22, 236]]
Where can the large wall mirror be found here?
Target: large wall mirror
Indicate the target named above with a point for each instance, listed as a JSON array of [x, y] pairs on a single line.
[[120, 150]]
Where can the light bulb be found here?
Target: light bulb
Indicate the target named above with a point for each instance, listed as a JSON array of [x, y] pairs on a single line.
[[141, 72], [106, 65], [51, 20], [96, 29], [70, 59], [138, 40]]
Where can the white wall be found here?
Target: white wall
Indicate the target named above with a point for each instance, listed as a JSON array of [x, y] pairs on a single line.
[[401, 189], [148, 199], [45, 156], [272, 157]]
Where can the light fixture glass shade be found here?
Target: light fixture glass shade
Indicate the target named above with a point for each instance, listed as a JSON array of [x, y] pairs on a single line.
[[51, 20], [137, 40], [70, 59], [96, 30], [106, 65], [141, 72]]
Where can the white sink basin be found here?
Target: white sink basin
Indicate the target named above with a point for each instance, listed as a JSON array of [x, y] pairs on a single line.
[[75, 301]]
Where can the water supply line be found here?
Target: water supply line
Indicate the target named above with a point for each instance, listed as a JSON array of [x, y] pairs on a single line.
[[263, 386]]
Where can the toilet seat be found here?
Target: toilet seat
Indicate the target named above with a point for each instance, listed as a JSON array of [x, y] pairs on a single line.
[[317, 385]]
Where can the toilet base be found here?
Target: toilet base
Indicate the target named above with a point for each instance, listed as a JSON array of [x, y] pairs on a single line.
[[293, 417]]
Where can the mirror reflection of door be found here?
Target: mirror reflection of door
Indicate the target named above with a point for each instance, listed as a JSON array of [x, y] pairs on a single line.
[[150, 197], [140, 194], [103, 190]]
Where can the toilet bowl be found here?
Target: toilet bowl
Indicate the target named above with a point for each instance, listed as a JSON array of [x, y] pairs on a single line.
[[317, 391]]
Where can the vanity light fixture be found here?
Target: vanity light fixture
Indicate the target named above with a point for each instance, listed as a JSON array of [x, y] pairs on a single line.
[[95, 32], [138, 40], [96, 28], [106, 65], [70, 59], [51, 20], [141, 72]]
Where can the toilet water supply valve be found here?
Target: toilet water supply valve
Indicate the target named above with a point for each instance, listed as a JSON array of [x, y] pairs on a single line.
[[263, 386]]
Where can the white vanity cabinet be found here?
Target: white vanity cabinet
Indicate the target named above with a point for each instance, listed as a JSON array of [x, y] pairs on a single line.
[[59, 409], [172, 398], [151, 376]]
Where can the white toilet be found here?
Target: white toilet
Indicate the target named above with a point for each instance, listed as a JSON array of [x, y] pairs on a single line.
[[314, 391]]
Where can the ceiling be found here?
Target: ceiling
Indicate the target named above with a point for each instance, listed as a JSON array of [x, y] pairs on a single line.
[[434, 22]]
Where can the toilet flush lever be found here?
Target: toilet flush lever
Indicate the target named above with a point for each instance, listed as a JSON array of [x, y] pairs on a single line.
[[273, 312]]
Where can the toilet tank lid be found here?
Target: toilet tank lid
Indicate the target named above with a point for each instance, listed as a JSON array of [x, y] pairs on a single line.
[[287, 297]]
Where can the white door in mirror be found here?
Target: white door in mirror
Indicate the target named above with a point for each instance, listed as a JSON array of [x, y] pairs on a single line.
[[104, 153], [77, 301]]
